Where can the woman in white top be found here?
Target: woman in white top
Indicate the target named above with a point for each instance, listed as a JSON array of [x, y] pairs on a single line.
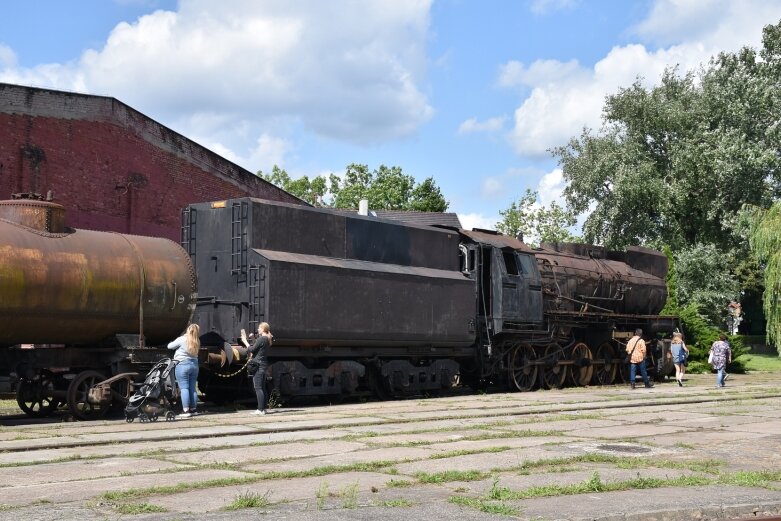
[[186, 354]]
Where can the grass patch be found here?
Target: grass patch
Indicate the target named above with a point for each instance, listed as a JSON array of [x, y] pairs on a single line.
[[622, 462], [399, 483], [450, 475], [321, 495], [595, 484], [760, 363], [248, 500], [138, 508], [467, 452], [397, 503], [484, 506], [350, 495]]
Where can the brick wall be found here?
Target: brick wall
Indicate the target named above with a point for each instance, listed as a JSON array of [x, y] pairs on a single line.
[[112, 167]]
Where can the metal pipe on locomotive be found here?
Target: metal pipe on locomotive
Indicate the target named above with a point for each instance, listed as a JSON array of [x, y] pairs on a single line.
[[93, 303]]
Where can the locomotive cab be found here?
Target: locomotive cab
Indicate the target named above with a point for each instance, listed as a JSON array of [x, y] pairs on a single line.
[[508, 279]]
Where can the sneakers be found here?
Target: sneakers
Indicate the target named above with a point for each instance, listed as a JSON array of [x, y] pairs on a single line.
[[185, 415], [648, 386], [258, 413], [680, 383], [194, 413], [726, 377]]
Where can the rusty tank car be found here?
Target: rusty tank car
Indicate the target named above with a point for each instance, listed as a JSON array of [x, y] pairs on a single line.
[[364, 305], [91, 302]]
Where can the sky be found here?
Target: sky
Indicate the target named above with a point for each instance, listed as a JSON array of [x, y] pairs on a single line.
[[472, 93]]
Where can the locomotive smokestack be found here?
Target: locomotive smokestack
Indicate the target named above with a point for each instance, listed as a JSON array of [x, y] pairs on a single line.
[[363, 207]]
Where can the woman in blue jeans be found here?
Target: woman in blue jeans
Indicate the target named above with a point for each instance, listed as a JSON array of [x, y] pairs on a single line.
[[721, 356], [186, 354]]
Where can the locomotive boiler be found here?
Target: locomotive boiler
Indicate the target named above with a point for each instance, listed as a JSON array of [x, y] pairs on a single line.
[[91, 302], [359, 304]]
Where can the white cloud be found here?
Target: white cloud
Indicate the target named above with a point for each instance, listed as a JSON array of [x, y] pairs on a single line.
[[551, 187], [491, 187], [546, 6], [490, 125], [360, 77], [470, 221], [7, 56], [541, 72], [566, 96], [270, 151]]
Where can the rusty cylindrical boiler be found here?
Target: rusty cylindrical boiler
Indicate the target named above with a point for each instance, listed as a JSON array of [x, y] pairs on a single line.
[[82, 287]]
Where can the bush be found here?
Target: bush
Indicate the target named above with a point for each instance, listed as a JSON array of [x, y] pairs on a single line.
[[699, 336]]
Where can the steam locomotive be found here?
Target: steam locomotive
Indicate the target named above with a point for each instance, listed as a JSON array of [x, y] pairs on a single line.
[[357, 305]]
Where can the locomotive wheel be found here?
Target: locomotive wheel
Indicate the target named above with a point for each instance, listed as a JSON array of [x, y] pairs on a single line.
[[605, 366], [552, 373], [36, 397], [581, 371], [77, 396], [522, 368]]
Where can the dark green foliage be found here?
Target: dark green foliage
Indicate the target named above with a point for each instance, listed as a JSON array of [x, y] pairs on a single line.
[[699, 337]]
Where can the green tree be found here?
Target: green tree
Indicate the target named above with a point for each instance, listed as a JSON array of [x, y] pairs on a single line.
[[386, 188], [704, 279], [311, 191], [765, 241], [536, 223], [674, 164]]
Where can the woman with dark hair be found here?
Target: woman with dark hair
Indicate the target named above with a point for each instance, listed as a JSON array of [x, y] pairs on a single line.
[[186, 354], [258, 354], [720, 357]]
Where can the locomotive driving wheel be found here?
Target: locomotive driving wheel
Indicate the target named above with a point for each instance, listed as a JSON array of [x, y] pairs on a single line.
[[581, 371], [605, 365], [78, 396], [36, 397], [552, 372], [522, 368]]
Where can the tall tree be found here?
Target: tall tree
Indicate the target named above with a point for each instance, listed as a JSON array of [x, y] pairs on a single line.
[[675, 163], [536, 223], [765, 241]]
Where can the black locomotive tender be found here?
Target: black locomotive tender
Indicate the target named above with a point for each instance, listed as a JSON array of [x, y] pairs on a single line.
[[361, 305]]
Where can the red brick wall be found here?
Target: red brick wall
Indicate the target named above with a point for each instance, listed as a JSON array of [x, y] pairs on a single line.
[[112, 168]]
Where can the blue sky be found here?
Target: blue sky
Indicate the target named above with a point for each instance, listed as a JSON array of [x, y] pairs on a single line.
[[470, 93]]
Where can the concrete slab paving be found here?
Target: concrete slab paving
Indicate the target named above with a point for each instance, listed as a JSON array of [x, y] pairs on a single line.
[[475, 462], [277, 451], [346, 458], [633, 431], [82, 490], [336, 490], [81, 470], [669, 504]]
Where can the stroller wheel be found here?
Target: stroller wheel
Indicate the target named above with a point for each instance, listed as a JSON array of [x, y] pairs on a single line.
[[129, 419], [153, 418], [144, 418], [170, 416]]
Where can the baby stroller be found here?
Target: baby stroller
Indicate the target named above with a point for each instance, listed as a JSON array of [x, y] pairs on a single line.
[[155, 396]]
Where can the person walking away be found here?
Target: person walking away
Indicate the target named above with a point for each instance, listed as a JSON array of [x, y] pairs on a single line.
[[636, 349], [721, 356], [258, 354], [186, 354], [680, 353]]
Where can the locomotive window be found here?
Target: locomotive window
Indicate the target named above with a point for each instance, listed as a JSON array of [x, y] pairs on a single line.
[[510, 262]]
